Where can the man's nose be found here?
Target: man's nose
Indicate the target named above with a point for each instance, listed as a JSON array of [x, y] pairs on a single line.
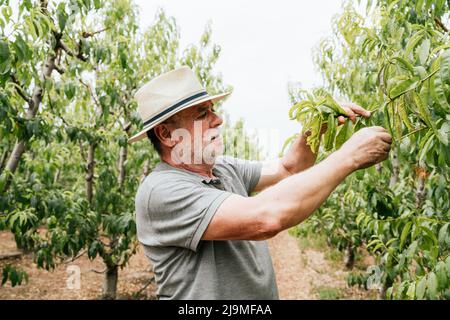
[[216, 120]]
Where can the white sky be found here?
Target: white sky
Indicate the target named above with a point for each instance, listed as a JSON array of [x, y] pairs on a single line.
[[264, 45]]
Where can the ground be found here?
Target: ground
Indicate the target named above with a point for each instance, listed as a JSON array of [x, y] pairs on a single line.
[[308, 269], [303, 271]]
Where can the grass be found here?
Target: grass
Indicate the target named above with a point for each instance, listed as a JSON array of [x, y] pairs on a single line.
[[334, 256], [328, 293], [316, 242], [319, 242]]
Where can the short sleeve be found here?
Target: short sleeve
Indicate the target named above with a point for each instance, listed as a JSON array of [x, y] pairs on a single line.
[[249, 171], [178, 213]]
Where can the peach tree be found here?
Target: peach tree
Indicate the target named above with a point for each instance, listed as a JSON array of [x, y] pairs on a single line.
[[394, 61]]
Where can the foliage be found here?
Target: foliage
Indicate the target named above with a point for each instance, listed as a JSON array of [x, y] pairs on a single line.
[[394, 61], [68, 72]]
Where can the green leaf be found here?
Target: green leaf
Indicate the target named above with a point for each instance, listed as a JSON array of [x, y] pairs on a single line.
[[444, 235], [444, 71], [412, 249], [423, 50], [447, 266], [443, 133], [403, 87], [411, 291], [404, 64], [336, 107], [405, 233], [22, 49], [330, 133], [420, 288], [69, 90], [437, 88], [295, 109], [6, 12], [4, 57], [432, 285], [423, 110], [404, 115], [62, 18], [441, 275], [342, 134], [413, 41]]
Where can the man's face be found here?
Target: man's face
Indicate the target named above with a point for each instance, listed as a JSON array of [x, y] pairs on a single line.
[[198, 128]]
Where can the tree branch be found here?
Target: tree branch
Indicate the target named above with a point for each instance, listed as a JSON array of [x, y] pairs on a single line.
[[90, 92], [86, 34], [440, 24], [19, 89], [99, 272], [78, 55], [59, 69], [83, 154], [56, 111], [75, 258]]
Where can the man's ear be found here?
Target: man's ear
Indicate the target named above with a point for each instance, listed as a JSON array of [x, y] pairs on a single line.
[[164, 135]]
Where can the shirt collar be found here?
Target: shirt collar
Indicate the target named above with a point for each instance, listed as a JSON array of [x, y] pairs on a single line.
[[162, 166]]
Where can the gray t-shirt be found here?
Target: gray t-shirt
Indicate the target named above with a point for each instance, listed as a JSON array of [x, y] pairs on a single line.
[[173, 210]]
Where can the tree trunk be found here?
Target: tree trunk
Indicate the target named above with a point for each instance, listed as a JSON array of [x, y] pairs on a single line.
[[56, 178], [349, 257], [420, 191], [110, 283], [3, 159], [90, 172], [13, 160], [395, 170], [33, 107], [122, 158], [384, 287]]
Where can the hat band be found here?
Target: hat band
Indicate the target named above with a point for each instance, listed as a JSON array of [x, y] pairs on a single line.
[[176, 105]]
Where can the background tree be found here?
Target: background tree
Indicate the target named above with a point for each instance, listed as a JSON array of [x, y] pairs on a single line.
[[394, 61], [71, 189]]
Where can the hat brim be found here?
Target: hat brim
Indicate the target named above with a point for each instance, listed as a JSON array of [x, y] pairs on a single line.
[[143, 134]]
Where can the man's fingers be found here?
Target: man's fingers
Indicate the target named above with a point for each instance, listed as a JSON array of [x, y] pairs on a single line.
[[356, 109], [386, 147], [378, 128], [351, 115], [360, 110], [386, 137], [341, 119]]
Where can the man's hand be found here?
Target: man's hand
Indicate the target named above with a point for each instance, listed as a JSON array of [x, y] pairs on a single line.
[[352, 110], [367, 147]]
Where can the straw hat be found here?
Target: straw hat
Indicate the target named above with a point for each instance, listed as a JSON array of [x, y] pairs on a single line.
[[168, 94]]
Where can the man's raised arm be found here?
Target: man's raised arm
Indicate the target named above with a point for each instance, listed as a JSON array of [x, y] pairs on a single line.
[[293, 199]]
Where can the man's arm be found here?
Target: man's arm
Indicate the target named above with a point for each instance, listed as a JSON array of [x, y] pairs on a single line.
[[300, 157], [292, 200]]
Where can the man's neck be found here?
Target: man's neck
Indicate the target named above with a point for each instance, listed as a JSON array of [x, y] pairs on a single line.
[[203, 169]]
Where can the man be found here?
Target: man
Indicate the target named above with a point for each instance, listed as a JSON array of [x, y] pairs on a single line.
[[200, 227]]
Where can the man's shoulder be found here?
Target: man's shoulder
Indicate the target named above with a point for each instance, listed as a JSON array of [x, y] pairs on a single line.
[[233, 164], [227, 162], [163, 185], [167, 176]]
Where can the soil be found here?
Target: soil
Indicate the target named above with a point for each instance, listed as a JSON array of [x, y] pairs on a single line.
[[299, 273]]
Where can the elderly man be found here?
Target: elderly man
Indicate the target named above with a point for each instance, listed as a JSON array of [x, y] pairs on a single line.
[[196, 219]]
